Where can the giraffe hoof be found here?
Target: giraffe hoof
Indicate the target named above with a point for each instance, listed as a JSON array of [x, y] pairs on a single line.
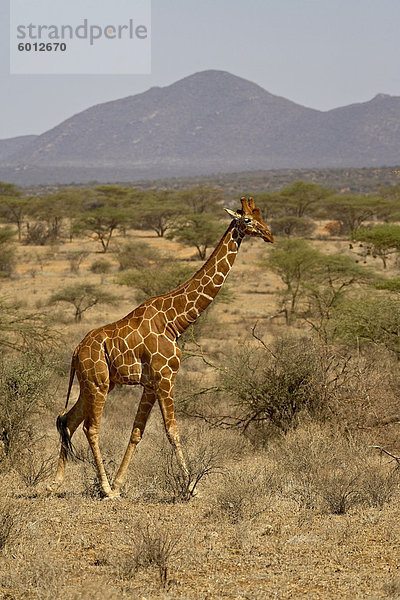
[[112, 495], [53, 487]]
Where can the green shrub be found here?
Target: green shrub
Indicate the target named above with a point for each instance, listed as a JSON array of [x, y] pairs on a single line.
[[155, 280], [7, 260], [82, 296], [22, 330], [7, 252], [24, 392], [291, 225], [274, 386], [137, 255], [370, 318], [101, 266]]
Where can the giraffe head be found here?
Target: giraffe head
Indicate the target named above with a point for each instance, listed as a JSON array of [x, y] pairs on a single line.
[[249, 221]]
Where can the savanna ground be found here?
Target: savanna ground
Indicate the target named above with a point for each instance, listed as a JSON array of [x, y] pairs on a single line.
[[305, 512]]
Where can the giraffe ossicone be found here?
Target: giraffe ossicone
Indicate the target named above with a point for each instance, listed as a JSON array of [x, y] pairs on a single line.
[[141, 349]]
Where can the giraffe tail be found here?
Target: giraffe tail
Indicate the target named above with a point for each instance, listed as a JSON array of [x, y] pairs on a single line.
[[71, 380], [64, 435], [62, 419]]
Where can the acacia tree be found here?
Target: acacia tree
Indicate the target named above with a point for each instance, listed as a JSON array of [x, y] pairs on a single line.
[[291, 225], [271, 205], [315, 282], [202, 199], [159, 210], [350, 210], [52, 212], [330, 281], [300, 197], [13, 206], [114, 195], [82, 296], [380, 241], [389, 207], [9, 189], [15, 210], [128, 202], [293, 260], [198, 230], [100, 224]]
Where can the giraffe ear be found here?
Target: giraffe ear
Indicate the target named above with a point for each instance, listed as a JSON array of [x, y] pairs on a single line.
[[233, 214]]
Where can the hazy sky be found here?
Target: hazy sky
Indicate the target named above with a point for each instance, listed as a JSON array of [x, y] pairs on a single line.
[[319, 53]]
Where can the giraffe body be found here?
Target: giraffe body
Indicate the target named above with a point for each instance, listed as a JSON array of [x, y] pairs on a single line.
[[141, 349]]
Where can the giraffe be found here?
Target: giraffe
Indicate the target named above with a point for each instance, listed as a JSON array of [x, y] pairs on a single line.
[[141, 349]]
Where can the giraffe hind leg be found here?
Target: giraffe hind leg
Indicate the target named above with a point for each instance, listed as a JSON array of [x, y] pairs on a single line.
[[91, 428]]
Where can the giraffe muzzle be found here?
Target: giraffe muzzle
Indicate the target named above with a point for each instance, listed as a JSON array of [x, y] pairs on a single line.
[[268, 237]]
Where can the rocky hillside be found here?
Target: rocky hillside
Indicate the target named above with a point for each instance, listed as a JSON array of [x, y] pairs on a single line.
[[209, 122]]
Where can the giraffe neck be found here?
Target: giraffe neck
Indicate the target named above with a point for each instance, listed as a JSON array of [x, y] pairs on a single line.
[[195, 295]]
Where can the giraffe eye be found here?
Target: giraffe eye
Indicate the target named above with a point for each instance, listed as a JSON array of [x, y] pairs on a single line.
[[247, 220]]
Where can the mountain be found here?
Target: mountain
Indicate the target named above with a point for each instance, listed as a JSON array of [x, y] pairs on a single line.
[[209, 122], [10, 146]]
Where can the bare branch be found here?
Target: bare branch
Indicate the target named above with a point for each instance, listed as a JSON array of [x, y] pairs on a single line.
[[396, 458], [253, 333], [190, 354]]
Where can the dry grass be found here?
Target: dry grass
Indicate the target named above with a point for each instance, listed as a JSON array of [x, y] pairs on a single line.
[[333, 472], [312, 514], [240, 538]]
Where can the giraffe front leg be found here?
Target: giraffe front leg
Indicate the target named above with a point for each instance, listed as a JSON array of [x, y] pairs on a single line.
[[145, 405]]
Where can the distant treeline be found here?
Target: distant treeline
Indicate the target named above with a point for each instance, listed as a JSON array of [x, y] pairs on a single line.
[[354, 180]]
